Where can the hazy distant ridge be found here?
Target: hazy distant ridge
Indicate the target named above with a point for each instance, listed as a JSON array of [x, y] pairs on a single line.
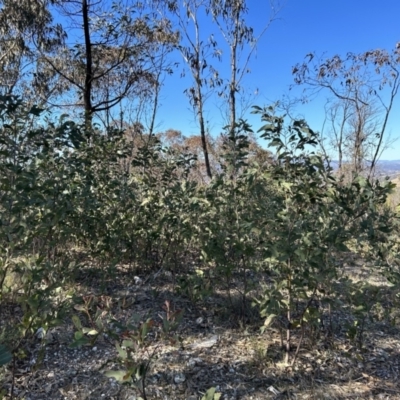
[[385, 167]]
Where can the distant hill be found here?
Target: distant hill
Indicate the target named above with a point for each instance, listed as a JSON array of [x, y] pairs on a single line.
[[389, 168]]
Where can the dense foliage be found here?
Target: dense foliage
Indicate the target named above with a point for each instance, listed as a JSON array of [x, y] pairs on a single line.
[[256, 218], [67, 191]]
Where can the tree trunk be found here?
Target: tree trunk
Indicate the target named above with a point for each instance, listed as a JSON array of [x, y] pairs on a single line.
[[87, 94], [203, 133], [233, 83]]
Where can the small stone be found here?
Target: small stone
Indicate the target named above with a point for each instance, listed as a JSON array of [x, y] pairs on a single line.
[[40, 333], [194, 361], [49, 337], [205, 343], [274, 391], [179, 378]]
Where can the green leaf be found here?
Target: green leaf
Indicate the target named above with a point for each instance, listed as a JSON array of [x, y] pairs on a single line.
[[90, 332], [78, 342], [211, 395], [287, 185], [121, 352], [128, 343], [78, 335], [269, 320], [77, 322], [120, 375], [145, 201]]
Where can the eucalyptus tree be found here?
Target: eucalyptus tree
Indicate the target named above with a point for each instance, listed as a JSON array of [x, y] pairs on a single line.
[[197, 47], [201, 23], [25, 26], [231, 17], [107, 57], [364, 88], [351, 133]]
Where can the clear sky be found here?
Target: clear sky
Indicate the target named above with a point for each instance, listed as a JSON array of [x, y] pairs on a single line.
[[303, 26]]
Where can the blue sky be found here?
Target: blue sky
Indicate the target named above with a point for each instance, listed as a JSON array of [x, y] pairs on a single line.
[[303, 26]]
